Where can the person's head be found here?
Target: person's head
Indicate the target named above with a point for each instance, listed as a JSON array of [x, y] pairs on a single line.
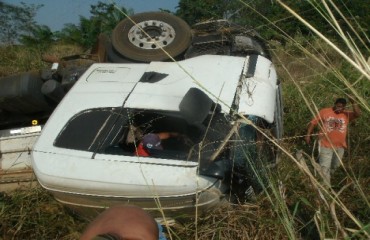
[[152, 141], [339, 105], [124, 222]]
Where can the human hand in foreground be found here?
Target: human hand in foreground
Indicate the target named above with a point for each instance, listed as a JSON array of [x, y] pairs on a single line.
[[124, 222]]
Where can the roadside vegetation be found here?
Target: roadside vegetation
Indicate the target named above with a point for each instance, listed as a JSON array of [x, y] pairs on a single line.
[[314, 70]]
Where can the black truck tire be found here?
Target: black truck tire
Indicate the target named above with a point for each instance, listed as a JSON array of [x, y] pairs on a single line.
[[156, 36]]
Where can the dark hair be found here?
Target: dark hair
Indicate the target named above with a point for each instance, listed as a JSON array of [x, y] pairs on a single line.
[[341, 100]]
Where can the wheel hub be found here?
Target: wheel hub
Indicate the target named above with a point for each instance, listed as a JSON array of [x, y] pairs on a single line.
[[152, 34]]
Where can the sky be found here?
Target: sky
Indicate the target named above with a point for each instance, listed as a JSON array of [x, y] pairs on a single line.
[[56, 13]]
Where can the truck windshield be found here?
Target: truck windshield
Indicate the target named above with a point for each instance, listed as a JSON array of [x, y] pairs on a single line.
[[92, 129], [119, 131]]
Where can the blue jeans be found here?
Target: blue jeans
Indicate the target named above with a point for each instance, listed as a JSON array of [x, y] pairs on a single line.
[[329, 159]]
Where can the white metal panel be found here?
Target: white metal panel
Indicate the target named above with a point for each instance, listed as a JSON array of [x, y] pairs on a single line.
[[113, 174], [258, 93], [16, 151], [15, 161], [22, 142], [258, 100], [109, 74], [217, 76]]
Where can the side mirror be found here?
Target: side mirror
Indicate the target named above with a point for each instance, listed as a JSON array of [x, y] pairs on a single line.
[[217, 169], [195, 106]]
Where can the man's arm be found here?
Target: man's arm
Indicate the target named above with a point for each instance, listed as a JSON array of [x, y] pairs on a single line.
[[166, 135], [356, 109], [310, 128]]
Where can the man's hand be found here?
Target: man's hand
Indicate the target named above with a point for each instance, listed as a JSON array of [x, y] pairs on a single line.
[[307, 139], [356, 108], [351, 99]]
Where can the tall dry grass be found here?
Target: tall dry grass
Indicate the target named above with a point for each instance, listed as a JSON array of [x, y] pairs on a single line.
[[17, 59], [329, 72]]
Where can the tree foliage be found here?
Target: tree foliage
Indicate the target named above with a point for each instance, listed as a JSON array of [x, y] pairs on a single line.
[[271, 19], [40, 36], [16, 21], [104, 17], [17, 25], [257, 14], [193, 11]]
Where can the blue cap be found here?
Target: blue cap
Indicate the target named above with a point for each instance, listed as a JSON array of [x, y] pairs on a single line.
[[152, 141]]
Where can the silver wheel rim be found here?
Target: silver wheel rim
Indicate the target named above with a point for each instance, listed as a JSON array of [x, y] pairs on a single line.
[[151, 34]]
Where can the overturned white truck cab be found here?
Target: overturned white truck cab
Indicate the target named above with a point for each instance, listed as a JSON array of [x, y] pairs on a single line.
[[222, 106]]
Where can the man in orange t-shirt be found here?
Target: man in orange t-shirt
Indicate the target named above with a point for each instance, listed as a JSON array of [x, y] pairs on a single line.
[[333, 124]]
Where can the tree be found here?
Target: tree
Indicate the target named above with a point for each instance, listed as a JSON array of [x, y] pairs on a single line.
[[40, 36], [267, 16], [16, 21], [193, 11], [107, 16], [103, 20]]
